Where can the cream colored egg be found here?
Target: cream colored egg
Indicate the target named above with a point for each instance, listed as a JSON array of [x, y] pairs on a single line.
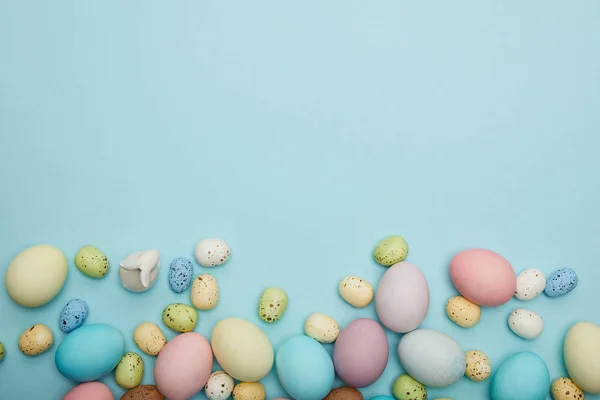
[[479, 367], [463, 312], [321, 327], [36, 340], [530, 283], [566, 389], [149, 338], [525, 323], [180, 317], [582, 356], [249, 391], [212, 252], [129, 371], [36, 275], [205, 292], [219, 386], [356, 291]]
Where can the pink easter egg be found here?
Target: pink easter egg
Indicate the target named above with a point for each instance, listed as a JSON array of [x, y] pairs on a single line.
[[360, 353], [90, 391], [183, 366], [484, 277]]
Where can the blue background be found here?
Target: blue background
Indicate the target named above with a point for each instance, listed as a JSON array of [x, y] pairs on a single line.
[[301, 133]]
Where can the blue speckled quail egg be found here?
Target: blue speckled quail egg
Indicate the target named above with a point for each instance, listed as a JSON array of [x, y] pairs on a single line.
[[561, 282], [219, 386], [73, 315], [180, 274]]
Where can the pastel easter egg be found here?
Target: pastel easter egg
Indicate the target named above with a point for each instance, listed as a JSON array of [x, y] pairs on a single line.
[[242, 349], [356, 291], [479, 367], [219, 386], [143, 392], [406, 388], [582, 356], [522, 376], [1, 351], [92, 262], [89, 391], [463, 312], [322, 328], [561, 282], [304, 368], [205, 292], [180, 274], [182, 368], [89, 353], [402, 298], [149, 338], [483, 277], [180, 317], [391, 250], [530, 283], [566, 389], [249, 391], [73, 315], [212, 252], [360, 353], [431, 357], [525, 323], [36, 275], [36, 340], [129, 371], [344, 393], [272, 304]]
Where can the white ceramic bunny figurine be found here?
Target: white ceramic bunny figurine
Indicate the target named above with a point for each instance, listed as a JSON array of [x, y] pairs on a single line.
[[139, 270]]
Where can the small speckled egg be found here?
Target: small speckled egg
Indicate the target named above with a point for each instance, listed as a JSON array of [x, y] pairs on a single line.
[[566, 389], [406, 388], [390, 251], [149, 338], [322, 328], [344, 393], [249, 391], [180, 274], [561, 282], [479, 367], [530, 283], [129, 371], [272, 304], [73, 315], [180, 317], [219, 386], [1, 351], [205, 292], [212, 252], [525, 323], [143, 392], [463, 312], [92, 262], [356, 291], [36, 340]]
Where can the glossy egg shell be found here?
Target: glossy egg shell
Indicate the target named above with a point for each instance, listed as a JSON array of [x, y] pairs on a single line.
[[522, 376]]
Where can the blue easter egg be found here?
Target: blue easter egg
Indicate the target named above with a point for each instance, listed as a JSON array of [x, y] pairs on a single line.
[[523, 376], [180, 274], [89, 353], [73, 315], [304, 368], [561, 282], [382, 397]]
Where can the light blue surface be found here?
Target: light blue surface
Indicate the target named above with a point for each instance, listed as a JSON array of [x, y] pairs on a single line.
[[301, 134]]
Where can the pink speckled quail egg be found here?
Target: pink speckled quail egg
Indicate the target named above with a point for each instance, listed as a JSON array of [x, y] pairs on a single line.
[[212, 252], [530, 283], [219, 386]]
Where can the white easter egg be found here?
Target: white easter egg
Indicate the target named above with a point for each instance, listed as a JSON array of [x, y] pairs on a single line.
[[530, 283], [219, 386], [525, 323], [212, 252]]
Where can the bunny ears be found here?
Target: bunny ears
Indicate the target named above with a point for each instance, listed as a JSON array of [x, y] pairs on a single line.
[[139, 270]]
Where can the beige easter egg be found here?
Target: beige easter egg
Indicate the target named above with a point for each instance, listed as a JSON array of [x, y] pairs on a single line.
[[356, 291], [479, 367], [249, 391], [205, 292], [149, 338], [36, 340], [566, 389], [463, 312], [36, 275], [582, 356], [322, 328]]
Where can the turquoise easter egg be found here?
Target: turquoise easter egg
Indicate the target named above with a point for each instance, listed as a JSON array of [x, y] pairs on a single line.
[[523, 376], [90, 352], [304, 368]]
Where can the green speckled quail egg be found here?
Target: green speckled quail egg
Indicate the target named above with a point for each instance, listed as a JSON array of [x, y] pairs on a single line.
[[273, 303], [1, 351], [219, 386], [390, 251], [180, 317], [92, 262], [129, 371]]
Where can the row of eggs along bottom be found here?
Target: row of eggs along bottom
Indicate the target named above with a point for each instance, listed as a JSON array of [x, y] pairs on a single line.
[[305, 369]]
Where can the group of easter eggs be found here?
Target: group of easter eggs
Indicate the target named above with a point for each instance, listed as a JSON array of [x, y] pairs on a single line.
[[305, 369]]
